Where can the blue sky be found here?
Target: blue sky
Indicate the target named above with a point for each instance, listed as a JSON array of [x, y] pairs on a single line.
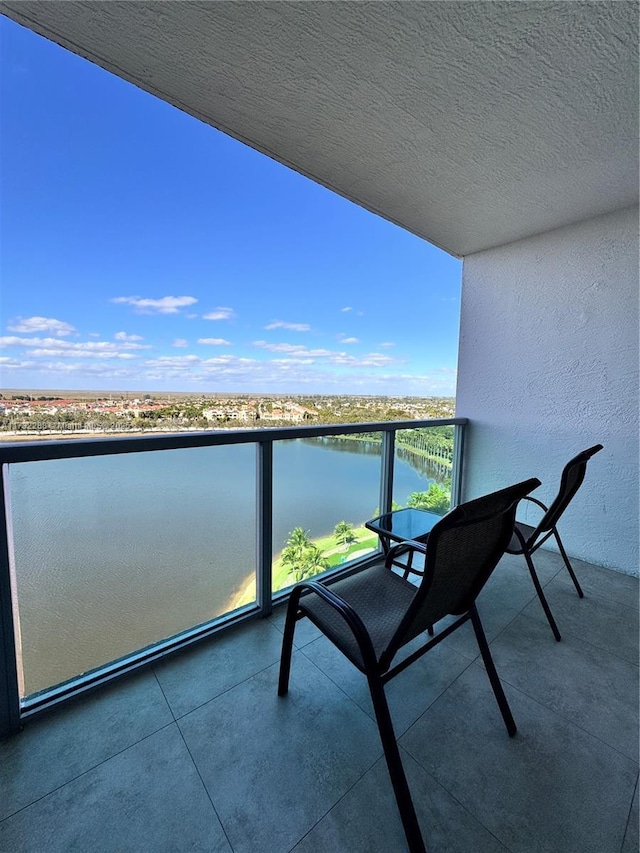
[[143, 250]]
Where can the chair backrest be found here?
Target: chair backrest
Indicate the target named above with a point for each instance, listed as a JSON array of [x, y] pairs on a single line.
[[464, 547], [571, 480]]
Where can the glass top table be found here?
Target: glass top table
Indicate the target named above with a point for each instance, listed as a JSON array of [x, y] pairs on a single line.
[[402, 524]]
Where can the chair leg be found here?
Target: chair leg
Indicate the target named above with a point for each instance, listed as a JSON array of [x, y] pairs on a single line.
[[287, 643], [542, 597], [487, 659], [394, 764], [568, 564]]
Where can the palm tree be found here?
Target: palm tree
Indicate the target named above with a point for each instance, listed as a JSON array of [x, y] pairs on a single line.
[[437, 499], [313, 563], [344, 534], [298, 538], [295, 549]]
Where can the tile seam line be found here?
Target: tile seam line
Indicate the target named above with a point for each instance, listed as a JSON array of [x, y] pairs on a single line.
[[631, 803], [206, 790], [90, 769], [569, 720], [337, 802], [597, 595], [380, 757], [431, 776], [164, 696], [431, 704], [468, 662], [222, 692], [578, 638], [453, 797], [628, 821], [372, 716], [344, 693]]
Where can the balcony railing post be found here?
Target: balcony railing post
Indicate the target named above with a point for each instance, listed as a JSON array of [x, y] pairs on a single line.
[[386, 478], [9, 694], [457, 462], [265, 526]]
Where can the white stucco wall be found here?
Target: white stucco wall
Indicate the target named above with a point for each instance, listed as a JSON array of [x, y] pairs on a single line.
[[548, 366]]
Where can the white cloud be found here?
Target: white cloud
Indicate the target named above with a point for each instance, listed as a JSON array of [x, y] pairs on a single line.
[[372, 359], [173, 360], [166, 305], [48, 347], [348, 308], [169, 367], [180, 342], [214, 342], [123, 336], [53, 374], [298, 349], [30, 325], [386, 345], [220, 313], [294, 327], [291, 362], [337, 359], [345, 340], [278, 347], [14, 364]]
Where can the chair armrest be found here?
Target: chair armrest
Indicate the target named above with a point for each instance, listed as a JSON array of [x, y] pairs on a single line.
[[402, 548], [346, 611], [543, 507], [535, 501]]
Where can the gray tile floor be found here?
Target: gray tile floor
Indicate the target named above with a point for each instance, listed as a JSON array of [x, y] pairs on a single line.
[[199, 754]]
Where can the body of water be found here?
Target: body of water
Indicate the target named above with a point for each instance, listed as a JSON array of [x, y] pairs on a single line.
[[115, 553]]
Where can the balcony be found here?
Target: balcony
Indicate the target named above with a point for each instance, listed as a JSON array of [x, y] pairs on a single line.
[[197, 752]]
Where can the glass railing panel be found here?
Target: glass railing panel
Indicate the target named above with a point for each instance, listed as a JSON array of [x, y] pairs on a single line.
[[423, 466], [324, 489], [112, 554]]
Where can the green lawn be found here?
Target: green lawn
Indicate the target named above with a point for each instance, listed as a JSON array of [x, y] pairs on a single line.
[[334, 553]]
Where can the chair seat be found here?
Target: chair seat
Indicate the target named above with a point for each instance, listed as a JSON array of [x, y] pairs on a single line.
[[379, 597], [515, 546]]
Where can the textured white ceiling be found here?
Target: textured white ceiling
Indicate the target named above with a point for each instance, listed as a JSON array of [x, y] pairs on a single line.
[[471, 124]]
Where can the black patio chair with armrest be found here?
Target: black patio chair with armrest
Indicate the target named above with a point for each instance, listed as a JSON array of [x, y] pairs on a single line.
[[527, 539], [371, 615]]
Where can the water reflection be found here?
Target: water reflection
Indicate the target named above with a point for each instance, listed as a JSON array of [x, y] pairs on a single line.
[[432, 469], [438, 471]]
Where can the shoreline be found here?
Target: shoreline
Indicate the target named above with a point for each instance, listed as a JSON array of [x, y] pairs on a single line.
[[24, 435], [247, 593]]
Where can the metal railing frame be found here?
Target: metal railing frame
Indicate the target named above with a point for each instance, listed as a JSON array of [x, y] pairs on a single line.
[[12, 714]]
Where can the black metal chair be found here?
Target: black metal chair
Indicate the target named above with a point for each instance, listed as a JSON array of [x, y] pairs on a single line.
[[371, 615], [527, 539]]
